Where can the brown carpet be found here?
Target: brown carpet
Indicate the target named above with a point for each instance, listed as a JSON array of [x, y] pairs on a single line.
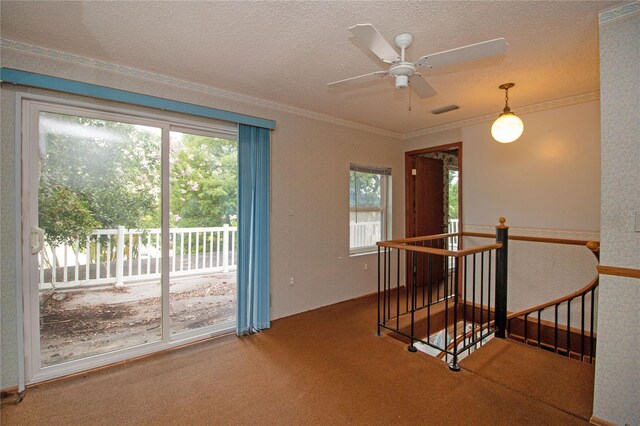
[[556, 380], [325, 366]]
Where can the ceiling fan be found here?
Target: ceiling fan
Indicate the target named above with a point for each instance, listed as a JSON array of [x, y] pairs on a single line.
[[404, 71]]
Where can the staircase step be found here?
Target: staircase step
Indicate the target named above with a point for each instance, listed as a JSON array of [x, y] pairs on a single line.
[[563, 383]]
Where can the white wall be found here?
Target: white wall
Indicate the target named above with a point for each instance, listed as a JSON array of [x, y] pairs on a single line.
[[617, 381], [309, 196], [545, 184]]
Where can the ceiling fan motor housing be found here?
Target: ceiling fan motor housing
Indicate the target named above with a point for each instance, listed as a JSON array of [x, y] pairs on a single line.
[[402, 71], [402, 81]]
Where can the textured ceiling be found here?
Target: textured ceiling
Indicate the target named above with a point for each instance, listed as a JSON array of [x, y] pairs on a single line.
[[286, 52]]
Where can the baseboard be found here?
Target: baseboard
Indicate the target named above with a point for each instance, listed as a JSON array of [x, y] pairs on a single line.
[[595, 420], [7, 392], [11, 395]]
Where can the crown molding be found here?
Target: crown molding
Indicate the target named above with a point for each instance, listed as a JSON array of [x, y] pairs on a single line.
[[201, 88], [619, 12], [134, 72], [555, 103]]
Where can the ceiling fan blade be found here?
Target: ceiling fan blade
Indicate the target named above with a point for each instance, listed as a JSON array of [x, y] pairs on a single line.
[[346, 80], [369, 37], [420, 86], [471, 52]]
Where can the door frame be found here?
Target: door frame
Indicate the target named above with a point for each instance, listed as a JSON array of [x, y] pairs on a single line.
[[29, 370], [409, 189]]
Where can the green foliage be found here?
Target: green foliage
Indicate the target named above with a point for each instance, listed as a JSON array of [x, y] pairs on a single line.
[[365, 190], [103, 174], [453, 195], [68, 217], [108, 170], [204, 176]]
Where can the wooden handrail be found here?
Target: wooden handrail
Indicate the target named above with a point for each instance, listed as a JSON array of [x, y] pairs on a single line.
[[531, 239], [618, 271], [439, 252], [424, 238], [557, 301]]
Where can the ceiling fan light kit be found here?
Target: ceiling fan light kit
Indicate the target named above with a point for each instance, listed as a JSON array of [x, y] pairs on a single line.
[[404, 71], [508, 127]]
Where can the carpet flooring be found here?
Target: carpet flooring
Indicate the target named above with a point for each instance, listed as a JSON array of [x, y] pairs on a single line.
[[556, 380], [324, 366]]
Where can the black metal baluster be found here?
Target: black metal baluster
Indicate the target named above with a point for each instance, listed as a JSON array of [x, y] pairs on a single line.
[[446, 312], [454, 365], [526, 327], [539, 314], [388, 272], [473, 312], [592, 347], [489, 295], [582, 330], [430, 297], [378, 291], [464, 300], [481, 295], [423, 278], [555, 332], [397, 295], [406, 286], [445, 268], [384, 283], [569, 328], [412, 348]]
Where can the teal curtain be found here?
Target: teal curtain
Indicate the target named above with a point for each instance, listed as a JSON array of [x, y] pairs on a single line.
[[253, 229]]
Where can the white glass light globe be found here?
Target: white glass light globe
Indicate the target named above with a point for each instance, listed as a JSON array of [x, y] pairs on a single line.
[[507, 128]]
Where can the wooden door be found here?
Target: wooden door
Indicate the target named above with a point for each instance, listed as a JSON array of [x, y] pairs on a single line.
[[426, 189]]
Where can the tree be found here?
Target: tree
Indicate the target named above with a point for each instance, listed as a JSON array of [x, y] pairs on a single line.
[[453, 195], [103, 174], [95, 174], [365, 190], [204, 180]]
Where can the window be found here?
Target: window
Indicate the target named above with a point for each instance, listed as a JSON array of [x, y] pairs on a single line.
[[369, 204]]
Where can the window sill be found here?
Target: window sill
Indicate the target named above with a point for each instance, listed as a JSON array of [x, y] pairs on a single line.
[[365, 252]]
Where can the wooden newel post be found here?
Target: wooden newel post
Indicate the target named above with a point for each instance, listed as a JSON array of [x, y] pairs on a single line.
[[502, 236]]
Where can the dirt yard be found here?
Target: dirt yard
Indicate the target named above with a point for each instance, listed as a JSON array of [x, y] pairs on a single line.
[[79, 323]]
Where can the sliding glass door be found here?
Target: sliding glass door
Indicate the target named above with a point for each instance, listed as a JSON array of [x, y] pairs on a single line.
[[130, 223]]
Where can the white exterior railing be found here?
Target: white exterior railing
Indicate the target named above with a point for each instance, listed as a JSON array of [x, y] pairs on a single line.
[[364, 234], [117, 256], [367, 234], [453, 228]]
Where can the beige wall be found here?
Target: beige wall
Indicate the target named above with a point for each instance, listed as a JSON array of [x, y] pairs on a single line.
[[617, 381], [545, 184], [549, 178], [309, 198]]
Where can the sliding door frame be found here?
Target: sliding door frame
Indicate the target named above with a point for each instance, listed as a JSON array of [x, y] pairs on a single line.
[[28, 107]]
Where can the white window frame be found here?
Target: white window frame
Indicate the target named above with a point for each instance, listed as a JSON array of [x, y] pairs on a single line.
[[28, 107], [385, 208]]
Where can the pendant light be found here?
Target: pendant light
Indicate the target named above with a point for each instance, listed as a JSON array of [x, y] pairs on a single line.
[[508, 127]]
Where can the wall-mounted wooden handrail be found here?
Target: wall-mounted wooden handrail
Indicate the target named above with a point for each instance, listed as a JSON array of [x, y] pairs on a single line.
[[618, 271], [437, 251], [531, 239], [557, 301]]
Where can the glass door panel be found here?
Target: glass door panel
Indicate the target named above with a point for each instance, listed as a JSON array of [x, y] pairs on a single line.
[[98, 198], [203, 231]]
